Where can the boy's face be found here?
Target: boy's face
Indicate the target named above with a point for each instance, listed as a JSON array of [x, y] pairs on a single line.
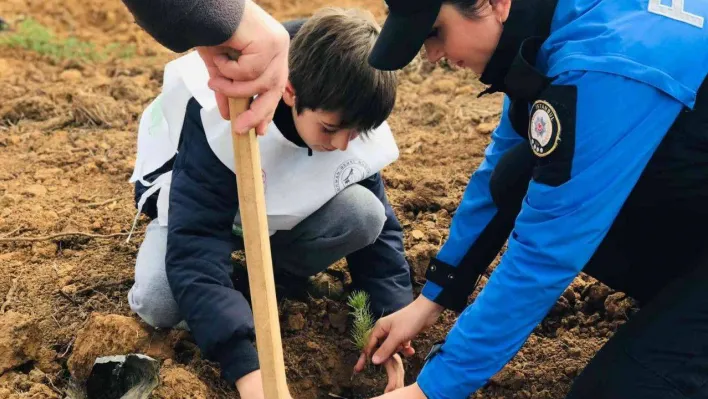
[[319, 129]]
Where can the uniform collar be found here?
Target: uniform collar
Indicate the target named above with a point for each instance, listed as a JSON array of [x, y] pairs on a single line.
[[511, 68], [283, 119]]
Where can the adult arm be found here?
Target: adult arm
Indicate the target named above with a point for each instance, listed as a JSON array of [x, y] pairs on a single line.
[[216, 28], [606, 140], [183, 24]]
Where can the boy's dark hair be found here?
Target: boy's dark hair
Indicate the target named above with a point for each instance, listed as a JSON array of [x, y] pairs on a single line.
[[329, 69]]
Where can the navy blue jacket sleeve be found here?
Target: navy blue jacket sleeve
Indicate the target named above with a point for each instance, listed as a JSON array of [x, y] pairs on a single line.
[[618, 125], [202, 205], [381, 268], [183, 24]]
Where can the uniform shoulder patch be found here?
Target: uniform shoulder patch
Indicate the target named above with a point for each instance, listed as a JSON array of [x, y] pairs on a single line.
[[551, 134], [544, 128]]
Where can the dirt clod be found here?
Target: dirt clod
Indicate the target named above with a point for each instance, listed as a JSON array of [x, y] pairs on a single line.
[[21, 342], [26, 386], [107, 335], [325, 285], [177, 382], [338, 320], [618, 306], [296, 322]]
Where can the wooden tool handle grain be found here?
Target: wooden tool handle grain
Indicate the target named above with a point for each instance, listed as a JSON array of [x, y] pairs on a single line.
[[258, 256]]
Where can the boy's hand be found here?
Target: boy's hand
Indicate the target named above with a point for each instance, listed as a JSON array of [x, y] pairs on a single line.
[[262, 68], [395, 373], [250, 386], [409, 392]]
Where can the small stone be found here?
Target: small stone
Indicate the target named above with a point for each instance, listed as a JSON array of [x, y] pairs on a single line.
[[35, 190], [596, 295], [312, 346], [575, 352], [71, 75], [417, 234], [70, 289], [486, 128], [296, 322]]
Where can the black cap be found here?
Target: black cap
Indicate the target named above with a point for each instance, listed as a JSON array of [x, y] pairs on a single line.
[[407, 26]]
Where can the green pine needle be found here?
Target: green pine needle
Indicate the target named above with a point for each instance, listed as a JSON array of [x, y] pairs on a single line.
[[363, 319]]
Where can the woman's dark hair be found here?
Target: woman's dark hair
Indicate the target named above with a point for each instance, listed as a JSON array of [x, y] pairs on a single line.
[[469, 8]]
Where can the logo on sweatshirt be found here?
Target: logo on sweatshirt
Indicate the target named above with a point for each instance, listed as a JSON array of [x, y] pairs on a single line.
[[350, 172]]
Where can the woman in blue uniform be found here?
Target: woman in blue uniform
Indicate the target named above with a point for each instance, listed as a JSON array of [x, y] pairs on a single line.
[[599, 165]]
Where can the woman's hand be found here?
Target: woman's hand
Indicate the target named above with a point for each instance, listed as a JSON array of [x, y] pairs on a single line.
[[397, 329]]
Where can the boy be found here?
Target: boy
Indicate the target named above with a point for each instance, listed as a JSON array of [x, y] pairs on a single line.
[[325, 199]]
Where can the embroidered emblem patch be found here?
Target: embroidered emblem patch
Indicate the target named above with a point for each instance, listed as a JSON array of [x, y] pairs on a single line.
[[349, 172], [544, 129]]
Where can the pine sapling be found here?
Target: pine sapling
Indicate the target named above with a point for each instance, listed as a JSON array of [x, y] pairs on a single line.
[[363, 319]]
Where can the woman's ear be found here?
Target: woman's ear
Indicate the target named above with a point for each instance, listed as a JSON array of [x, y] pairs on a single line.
[[501, 8], [289, 95]]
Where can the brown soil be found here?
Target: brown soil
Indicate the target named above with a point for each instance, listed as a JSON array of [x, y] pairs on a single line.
[[67, 147]]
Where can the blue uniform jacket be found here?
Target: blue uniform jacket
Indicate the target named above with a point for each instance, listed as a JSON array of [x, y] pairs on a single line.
[[203, 203], [619, 73]]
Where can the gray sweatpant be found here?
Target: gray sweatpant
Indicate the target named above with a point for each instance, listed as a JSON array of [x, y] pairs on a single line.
[[348, 222]]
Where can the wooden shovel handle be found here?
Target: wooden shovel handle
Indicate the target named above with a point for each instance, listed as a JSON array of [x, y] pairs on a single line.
[[256, 238]]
